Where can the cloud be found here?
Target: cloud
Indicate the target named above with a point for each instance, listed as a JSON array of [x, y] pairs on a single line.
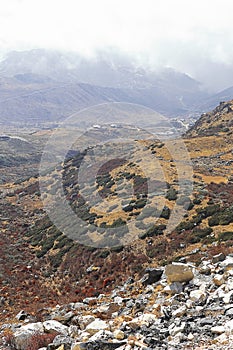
[[179, 33]]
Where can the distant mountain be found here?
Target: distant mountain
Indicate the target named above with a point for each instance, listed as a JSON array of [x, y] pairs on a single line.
[[214, 100], [220, 120], [40, 85]]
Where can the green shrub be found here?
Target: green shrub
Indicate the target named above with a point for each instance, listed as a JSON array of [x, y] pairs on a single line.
[[118, 222], [197, 201], [213, 221], [198, 234], [209, 210], [140, 203], [62, 242], [225, 236], [223, 217], [155, 230], [171, 194], [103, 254], [128, 208], [165, 214]]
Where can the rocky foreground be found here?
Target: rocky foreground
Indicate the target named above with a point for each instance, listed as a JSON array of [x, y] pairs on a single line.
[[180, 306]]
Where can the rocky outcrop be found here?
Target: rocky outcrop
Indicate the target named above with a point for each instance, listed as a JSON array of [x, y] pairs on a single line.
[[187, 307], [215, 122]]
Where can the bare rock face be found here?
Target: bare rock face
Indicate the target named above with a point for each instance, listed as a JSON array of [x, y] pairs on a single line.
[[178, 273]]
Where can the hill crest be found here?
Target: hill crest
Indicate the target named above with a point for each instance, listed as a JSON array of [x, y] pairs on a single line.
[[220, 120]]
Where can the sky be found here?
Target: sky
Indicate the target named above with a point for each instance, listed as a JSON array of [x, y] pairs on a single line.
[[195, 37]]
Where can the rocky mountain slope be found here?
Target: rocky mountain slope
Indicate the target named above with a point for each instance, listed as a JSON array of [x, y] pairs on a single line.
[[180, 306], [47, 268], [219, 121]]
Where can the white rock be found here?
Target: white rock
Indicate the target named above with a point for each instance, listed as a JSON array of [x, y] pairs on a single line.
[[197, 295], [223, 339], [118, 300], [146, 319], [206, 267], [103, 308], [84, 321], [229, 326], [180, 311], [230, 272], [176, 339], [218, 280], [219, 293], [33, 327], [53, 325], [190, 336], [227, 263], [189, 303], [204, 287], [77, 306], [227, 297], [123, 347], [96, 326], [149, 289], [229, 284], [167, 289], [173, 330], [84, 336], [218, 329], [118, 334]]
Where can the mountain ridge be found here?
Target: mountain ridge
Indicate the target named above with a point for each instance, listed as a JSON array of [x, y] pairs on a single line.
[[168, 92]]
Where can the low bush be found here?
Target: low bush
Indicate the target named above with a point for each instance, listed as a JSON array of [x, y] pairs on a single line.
[[225, 236], [171, 194], [153, 231]]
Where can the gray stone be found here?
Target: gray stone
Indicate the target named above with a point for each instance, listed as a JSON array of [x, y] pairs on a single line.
[[61, 340], [96, 326], [151, 276], [180, 311], [218, 329], [176, 288], [84, 321], [53, 325], [219, 257], [229, 313]]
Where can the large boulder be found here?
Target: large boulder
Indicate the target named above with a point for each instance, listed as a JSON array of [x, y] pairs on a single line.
[[97, 326], [24, 334], [55, 326], [178, 272]]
